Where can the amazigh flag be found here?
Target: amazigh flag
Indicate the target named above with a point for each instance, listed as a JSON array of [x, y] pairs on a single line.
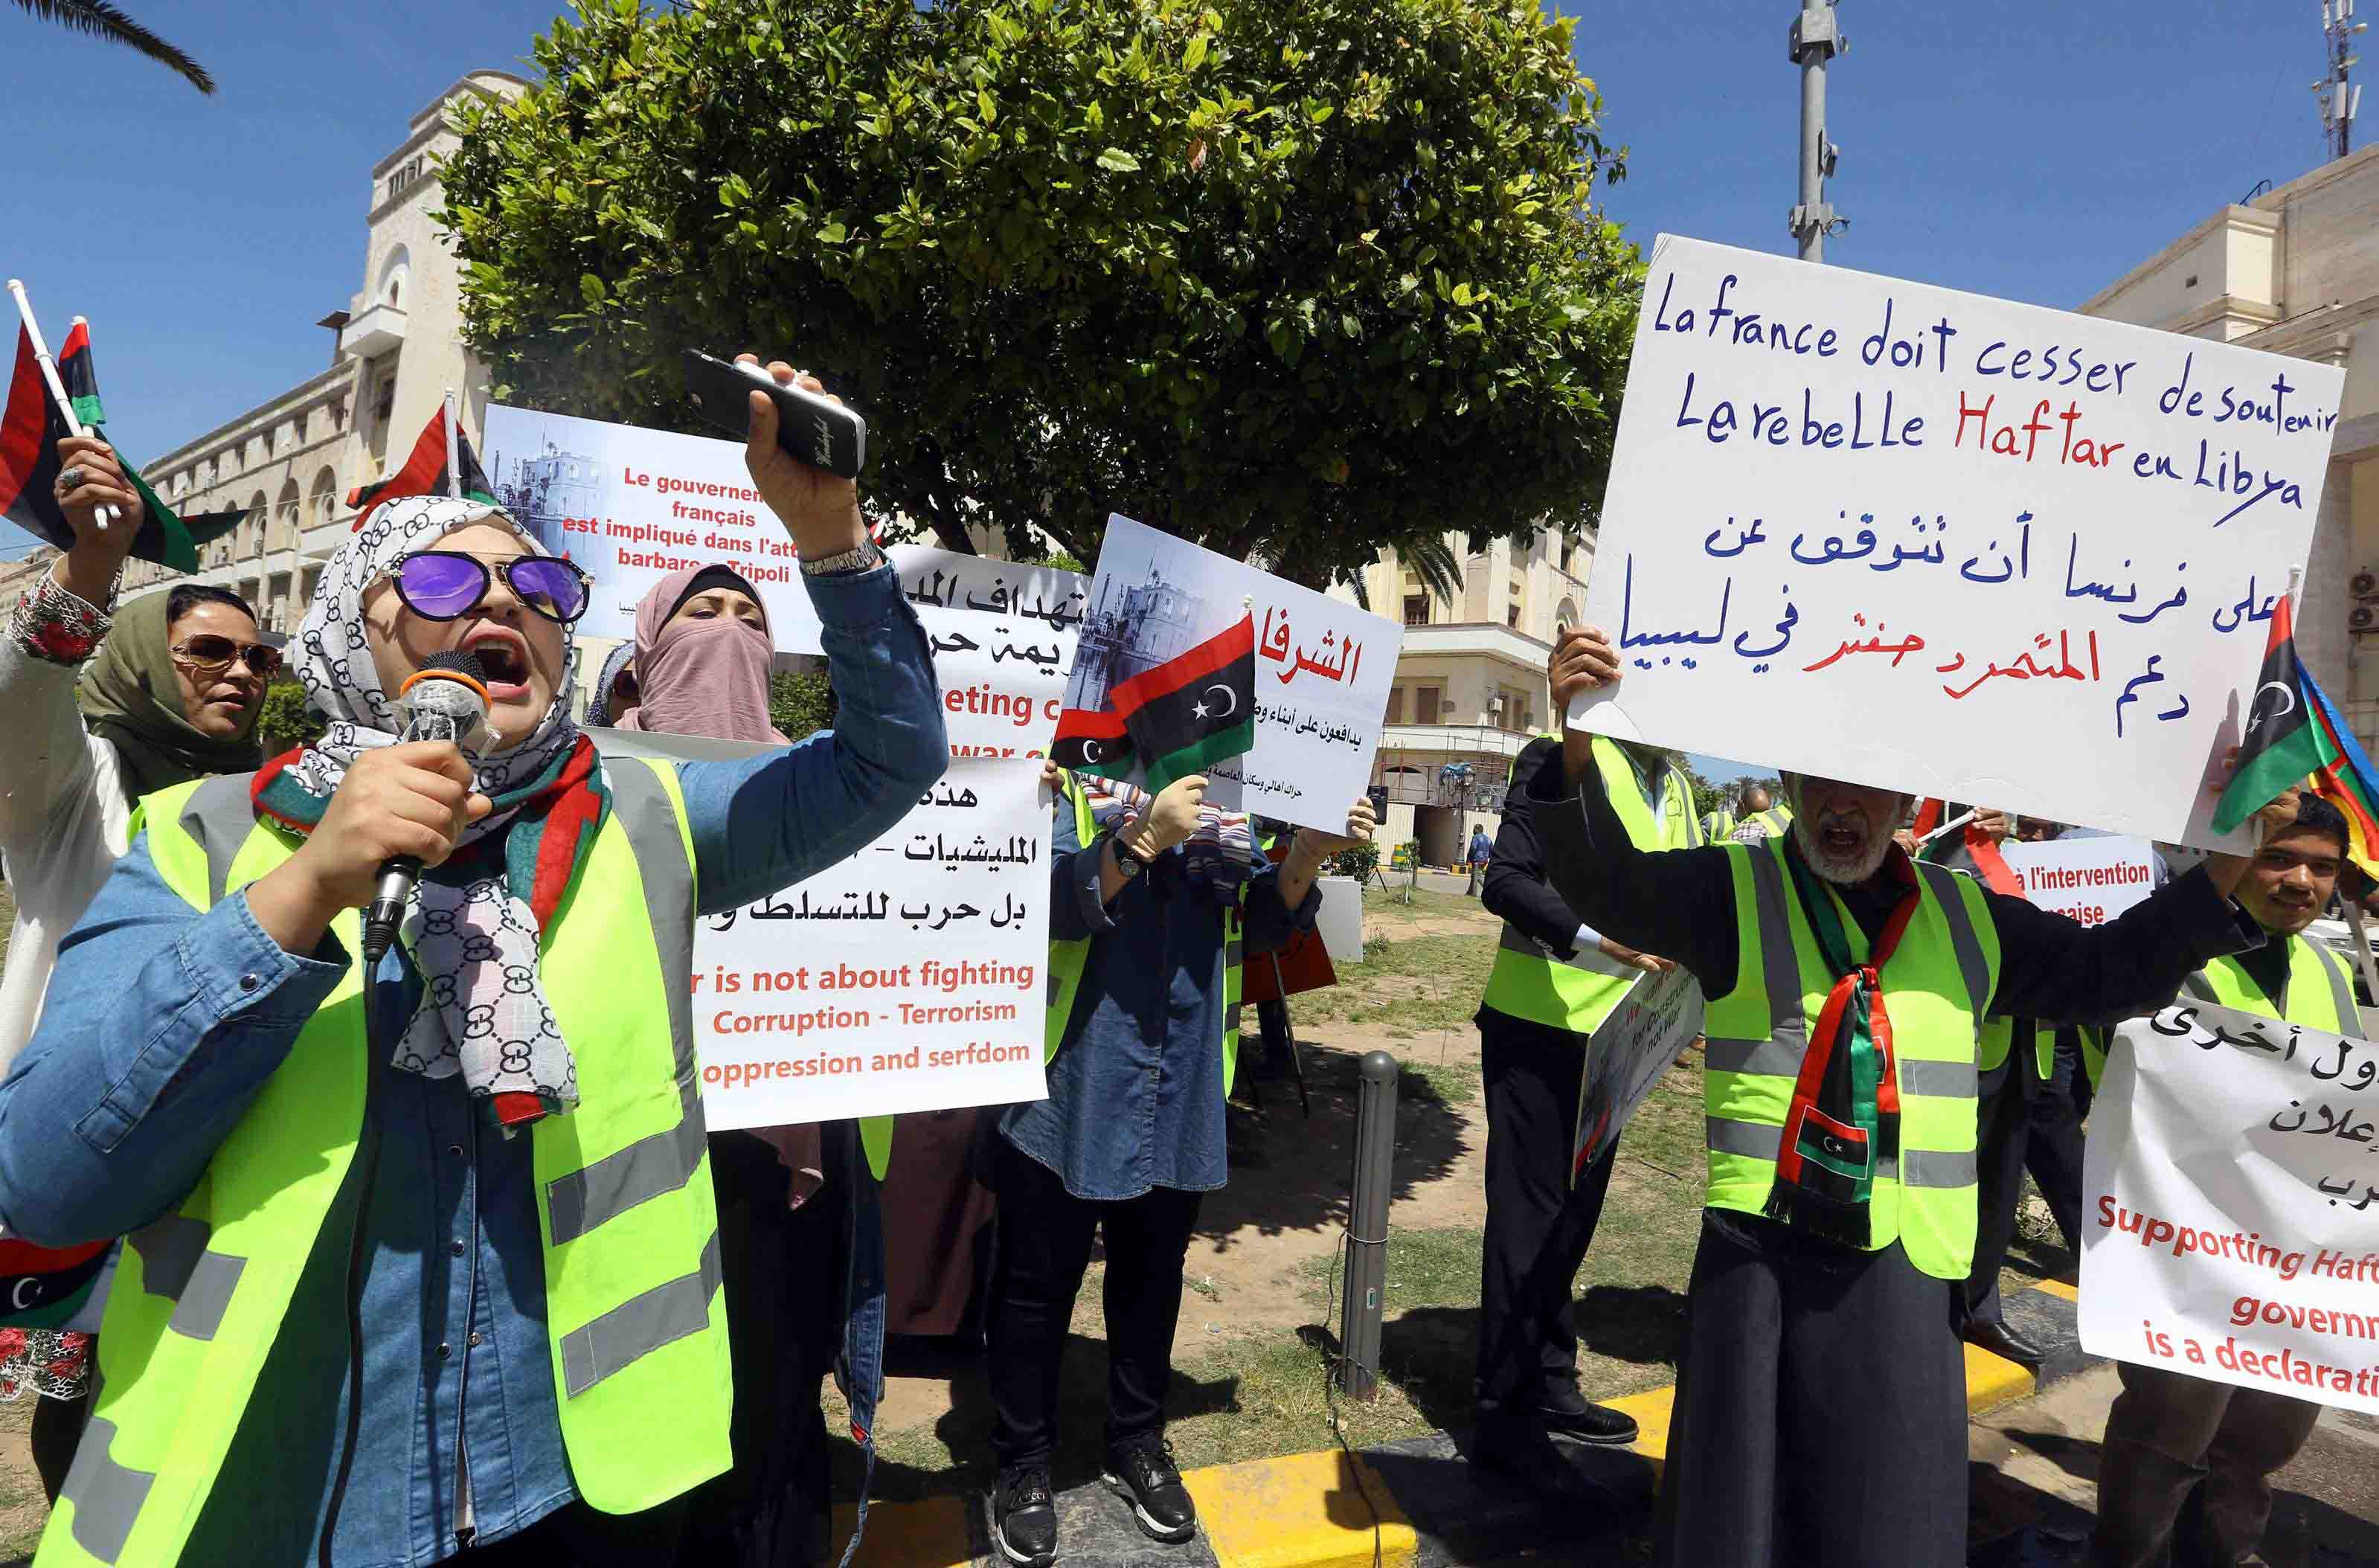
[[1195, 709], [424, 473], [30, 428], [2282, 745]]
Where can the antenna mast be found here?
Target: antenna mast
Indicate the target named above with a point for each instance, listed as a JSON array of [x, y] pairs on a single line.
[[2339, 99]]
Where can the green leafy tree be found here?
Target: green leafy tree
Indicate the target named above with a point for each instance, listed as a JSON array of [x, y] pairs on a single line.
[[285, 720], [1296, 282], [801, 704]]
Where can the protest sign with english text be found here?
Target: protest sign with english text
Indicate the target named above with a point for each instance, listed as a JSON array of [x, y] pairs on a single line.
[[1837, 496], [2230, 1223]]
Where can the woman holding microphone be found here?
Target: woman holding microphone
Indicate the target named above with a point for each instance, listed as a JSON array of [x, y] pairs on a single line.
[[422, 1256]]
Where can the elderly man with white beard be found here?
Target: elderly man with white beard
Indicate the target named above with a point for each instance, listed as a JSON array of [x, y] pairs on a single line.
[[1820, 1408]]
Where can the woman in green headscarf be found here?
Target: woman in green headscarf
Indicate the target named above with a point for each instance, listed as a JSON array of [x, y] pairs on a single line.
[[98, 711]]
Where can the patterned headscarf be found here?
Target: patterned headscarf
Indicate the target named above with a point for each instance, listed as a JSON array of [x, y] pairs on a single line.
[[474, 927]]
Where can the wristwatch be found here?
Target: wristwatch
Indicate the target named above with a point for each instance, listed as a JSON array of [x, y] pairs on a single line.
[[1128, 859], [857, 559]]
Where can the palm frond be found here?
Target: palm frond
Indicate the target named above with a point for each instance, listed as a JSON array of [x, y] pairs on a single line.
[[1433, 560], [99, 19]]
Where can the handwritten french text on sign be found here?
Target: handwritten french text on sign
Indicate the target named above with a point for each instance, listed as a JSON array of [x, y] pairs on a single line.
[[1838, 496], [908, 977], [1624, 1057], [2090, 880], [1323, 668], [2232, 1230]]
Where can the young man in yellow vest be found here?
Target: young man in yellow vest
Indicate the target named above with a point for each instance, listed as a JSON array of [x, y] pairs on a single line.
[[421, 1256], [1554, 982], [1756, 816], [2171, 1435], [1820, 1413]]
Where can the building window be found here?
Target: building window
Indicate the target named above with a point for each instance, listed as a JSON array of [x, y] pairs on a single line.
[[1395, 705], [1415, 609], [1569, 555], [1518, 609], [1426, 701], [1517, 714]]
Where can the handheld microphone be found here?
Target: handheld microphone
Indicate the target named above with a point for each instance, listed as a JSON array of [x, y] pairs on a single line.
[[448, 699]]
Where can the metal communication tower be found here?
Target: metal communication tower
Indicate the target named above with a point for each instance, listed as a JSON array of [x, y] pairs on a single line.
[[2338, 97], [1815, 40]]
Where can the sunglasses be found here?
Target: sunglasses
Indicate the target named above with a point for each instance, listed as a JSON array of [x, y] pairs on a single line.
[[439, 585], [211, 655]]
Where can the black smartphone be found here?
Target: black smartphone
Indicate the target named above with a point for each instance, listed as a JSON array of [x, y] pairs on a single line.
[[818, 430]]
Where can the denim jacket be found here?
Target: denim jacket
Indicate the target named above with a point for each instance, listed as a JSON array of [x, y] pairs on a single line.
[[162, 1024], [1136, 1091]]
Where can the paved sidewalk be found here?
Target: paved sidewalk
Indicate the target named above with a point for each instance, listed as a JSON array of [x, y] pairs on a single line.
[[1418, 1503]]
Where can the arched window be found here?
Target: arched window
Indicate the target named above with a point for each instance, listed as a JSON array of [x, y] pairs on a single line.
[[251, 531], [284, 516], [325, 502], [1567, 614], [395, 273]]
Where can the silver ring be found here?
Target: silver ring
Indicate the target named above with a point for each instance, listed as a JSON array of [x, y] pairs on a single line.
[[70, 480]]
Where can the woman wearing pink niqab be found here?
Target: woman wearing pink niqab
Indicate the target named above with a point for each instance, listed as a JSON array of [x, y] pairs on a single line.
[[703, 648], [702, 653]]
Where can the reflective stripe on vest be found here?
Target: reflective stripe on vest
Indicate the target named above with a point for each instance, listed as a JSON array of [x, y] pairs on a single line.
[[1068, 960], [1937, 984], [2325, 1003], [629, 1265], [1576, 993]]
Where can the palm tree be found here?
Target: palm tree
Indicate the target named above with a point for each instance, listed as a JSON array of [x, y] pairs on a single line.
[[101, 19]]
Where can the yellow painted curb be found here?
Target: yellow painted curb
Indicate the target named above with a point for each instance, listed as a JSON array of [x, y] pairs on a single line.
[[1652, 1409], [2057, 1288], [1993, 1381], [1299, 1511], [931, 1534]]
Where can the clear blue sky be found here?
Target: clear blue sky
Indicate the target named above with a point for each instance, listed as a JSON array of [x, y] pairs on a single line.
[[2032, 152]]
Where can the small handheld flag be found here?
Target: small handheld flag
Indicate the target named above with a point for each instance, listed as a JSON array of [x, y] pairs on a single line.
[[1179, 717], [441, 464], [2282, 745], [49, 401]]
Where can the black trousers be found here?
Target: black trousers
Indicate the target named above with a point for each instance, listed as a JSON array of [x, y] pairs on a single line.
[[783, 1273], [2024, 1122], [57, 1428], [1820, 1414], [1045, 1245], [1539, 1227], [576, 1536], [2174, 1439]]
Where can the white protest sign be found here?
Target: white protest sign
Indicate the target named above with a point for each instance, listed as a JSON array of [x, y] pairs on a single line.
[[2231, 1228], [908, 977], [1323, 668], [1626, 1056], [1003, 680], [632, 505], [1837, 496], [2090, 880]]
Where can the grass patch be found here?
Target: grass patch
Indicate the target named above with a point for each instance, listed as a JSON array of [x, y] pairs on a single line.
[[1406, 985]]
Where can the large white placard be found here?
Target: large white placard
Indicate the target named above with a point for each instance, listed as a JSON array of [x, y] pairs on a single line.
[[2231, 1229], [1879, 531], [910, 976], [2090, 880], [1323, 667]]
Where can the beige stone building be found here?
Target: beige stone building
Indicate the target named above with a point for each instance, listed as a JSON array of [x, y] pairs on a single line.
[[2296, 271], [1470, 685], [395, 352]]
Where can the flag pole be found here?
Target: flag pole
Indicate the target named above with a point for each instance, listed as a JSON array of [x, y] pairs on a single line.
[[50, 376], [453, 458]]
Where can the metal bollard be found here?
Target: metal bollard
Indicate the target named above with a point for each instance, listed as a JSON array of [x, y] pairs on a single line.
[[1367, 1224]]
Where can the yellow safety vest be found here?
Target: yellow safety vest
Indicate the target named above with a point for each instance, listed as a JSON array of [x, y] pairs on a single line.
[[1068, 960], [2320, 996], [1579, 993], [1937, 984], [637, 1328]]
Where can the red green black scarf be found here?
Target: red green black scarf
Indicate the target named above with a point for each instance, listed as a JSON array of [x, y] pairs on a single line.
[[1844, 1122]]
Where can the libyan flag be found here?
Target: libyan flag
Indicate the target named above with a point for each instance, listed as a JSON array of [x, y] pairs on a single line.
[[1181, 718], [424, 473], [2283, 744], [30, 428]]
